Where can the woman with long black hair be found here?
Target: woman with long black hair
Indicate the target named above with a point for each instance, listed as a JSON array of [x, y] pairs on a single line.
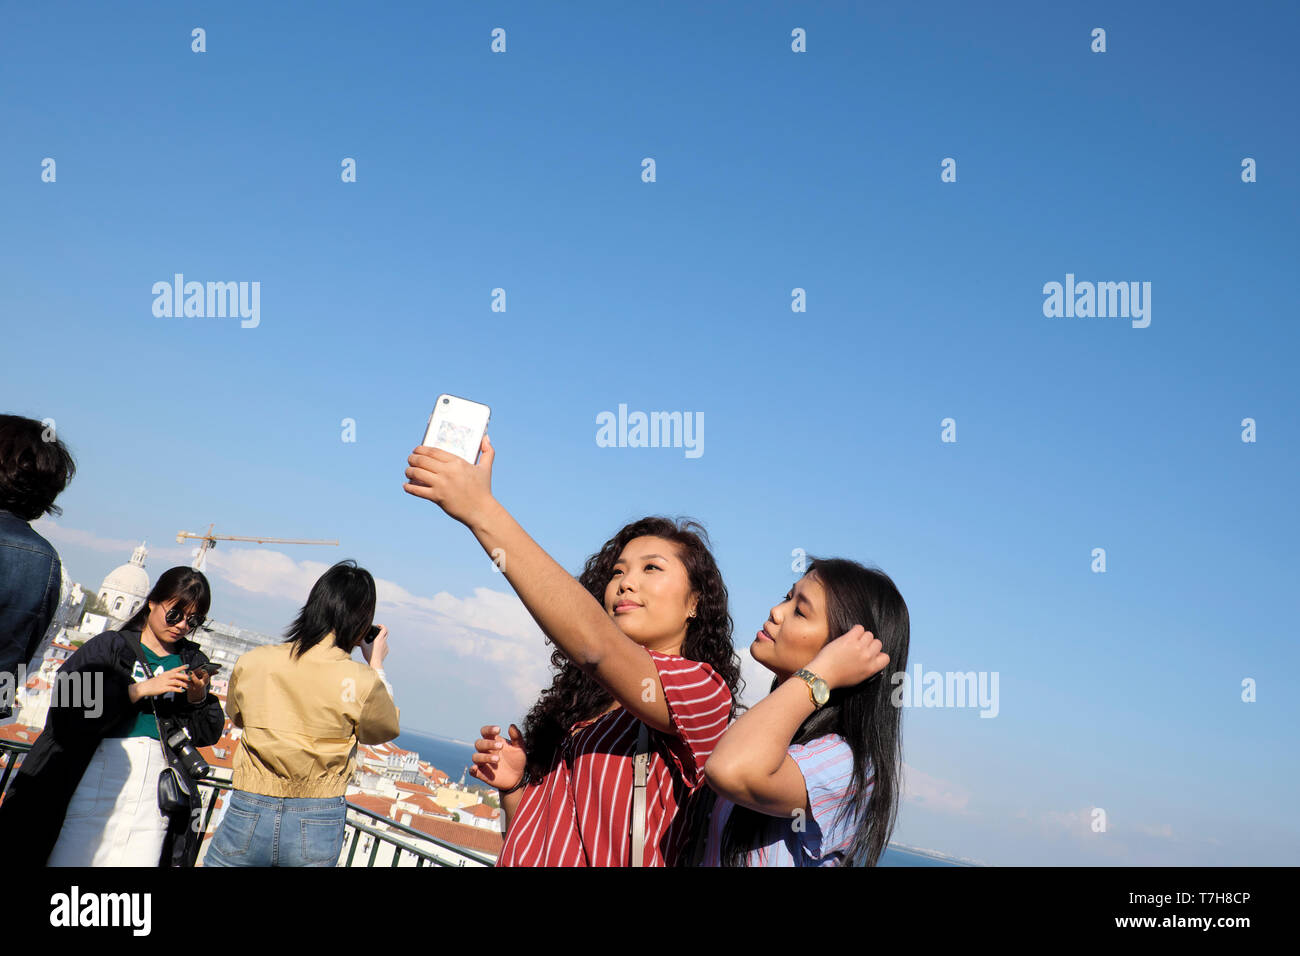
[[88, 793], [644, 686], [303, 706], [809, 776]]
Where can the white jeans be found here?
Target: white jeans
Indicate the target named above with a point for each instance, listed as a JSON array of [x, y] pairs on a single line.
[[113, 819]]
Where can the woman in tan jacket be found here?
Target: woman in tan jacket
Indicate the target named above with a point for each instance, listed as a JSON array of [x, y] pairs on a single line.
[[303, 706]]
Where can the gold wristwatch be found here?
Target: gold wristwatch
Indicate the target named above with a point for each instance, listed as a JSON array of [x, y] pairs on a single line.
[[818, 689]]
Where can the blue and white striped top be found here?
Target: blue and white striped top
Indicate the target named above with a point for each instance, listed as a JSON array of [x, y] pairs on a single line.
[[827, 767]]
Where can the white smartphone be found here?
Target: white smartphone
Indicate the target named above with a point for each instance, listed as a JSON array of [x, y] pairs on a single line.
[[457, 425]]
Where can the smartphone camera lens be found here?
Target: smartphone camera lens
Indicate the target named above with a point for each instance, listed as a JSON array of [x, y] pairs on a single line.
[[446, 401]]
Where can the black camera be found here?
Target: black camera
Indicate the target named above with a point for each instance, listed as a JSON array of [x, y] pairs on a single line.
[[178, 742]]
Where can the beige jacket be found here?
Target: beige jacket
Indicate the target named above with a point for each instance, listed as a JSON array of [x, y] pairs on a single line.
[[302, 719]]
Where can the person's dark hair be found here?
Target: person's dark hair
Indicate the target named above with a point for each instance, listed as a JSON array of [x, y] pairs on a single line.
[[33, 471], [188, 586], [863, 714], [575, 696], [343, 601]]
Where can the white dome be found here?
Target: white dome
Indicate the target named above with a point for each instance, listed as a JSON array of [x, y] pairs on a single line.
[[128, 579], [129, 582]]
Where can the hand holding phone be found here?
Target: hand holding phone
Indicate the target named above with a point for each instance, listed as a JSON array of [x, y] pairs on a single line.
[[374, 646], [462, 490], [197, 680], [457, 425]]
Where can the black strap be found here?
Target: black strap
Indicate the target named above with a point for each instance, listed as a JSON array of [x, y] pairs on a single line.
[[138, 647]]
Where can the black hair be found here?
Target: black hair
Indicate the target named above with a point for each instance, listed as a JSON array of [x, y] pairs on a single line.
[[34, 469], [863, 715], [189, 587], [574, 695], [343, 601]]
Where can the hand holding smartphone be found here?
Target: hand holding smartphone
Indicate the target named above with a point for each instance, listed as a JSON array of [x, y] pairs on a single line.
[[457, 425], [457, 429], [374, 646]]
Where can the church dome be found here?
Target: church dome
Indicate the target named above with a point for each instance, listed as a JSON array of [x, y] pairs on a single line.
[[127, 586]]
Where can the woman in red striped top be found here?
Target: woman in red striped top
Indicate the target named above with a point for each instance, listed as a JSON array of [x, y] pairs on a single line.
[[643, 638]]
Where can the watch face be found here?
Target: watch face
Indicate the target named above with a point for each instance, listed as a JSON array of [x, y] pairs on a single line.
[[821, 693]]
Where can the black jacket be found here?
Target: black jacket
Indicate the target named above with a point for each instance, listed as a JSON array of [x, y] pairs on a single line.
[[32, 813]]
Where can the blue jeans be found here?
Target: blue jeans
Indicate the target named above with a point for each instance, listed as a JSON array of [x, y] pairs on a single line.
[[279, 831]]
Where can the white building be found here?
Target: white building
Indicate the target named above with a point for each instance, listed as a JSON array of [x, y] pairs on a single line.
[[224, 643], [92, 624], [481, 815], [126, 587], [390, 760], [370, 780], [72, 601], [35, 696]]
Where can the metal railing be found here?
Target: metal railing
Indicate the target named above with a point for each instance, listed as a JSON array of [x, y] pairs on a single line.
[[371, 834], [9, 753]]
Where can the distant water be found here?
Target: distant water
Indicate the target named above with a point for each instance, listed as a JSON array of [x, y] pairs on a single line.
[[453, 757], [449, 756], [896, 856]]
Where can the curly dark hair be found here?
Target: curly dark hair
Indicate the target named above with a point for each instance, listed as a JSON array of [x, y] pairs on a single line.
[[576, 696], [34, 468]]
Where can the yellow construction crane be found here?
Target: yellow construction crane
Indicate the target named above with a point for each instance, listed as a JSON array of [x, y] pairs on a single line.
[[210, 541]]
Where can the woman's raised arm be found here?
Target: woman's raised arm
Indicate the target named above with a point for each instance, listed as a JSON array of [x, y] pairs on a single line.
[[560, 605]]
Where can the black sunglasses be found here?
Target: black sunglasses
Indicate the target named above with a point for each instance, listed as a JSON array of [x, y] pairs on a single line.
[[174, 615]]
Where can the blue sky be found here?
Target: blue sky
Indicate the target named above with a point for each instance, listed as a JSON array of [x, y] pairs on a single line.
[[775, 171]]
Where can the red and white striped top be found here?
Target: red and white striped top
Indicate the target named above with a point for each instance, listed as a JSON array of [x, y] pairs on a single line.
[[579, 813]]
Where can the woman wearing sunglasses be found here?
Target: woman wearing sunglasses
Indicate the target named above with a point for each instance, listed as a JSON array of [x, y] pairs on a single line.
[[87, 794]]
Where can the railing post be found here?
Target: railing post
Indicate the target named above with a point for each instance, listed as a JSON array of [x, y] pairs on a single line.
[[13, 751], [356, 836]]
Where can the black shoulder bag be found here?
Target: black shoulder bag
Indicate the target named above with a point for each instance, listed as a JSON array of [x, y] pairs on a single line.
[[175, 791]]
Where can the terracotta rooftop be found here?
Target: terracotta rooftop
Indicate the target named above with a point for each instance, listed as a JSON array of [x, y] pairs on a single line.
[[226, 744], [425, 804], [413, 787], [375, 804], [463, 835], [20, 733]]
